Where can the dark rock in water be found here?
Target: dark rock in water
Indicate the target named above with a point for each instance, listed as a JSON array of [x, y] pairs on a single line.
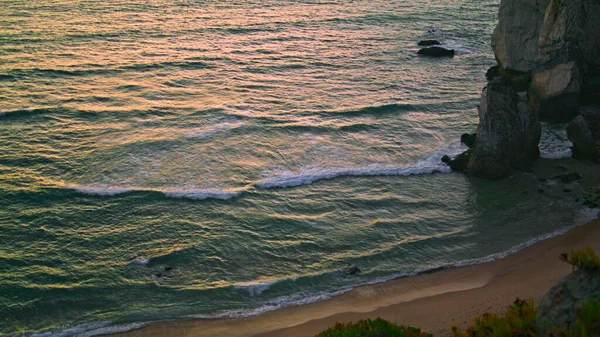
[[541, 190], [436, 52], [508, 133], [558, 309], [426, 43], [492, 73], [353, 270], [566, 190], [566, 178], [158, 275], [168, 268], [468, 139], [445, 159], [584, 133], [461, 162]]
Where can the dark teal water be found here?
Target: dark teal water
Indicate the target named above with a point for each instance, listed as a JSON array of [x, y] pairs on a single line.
[[168, 159]]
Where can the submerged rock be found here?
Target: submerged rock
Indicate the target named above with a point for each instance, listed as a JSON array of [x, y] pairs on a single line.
[[436, 52], [558, 309], [584, 133], [508, 133], [354, 270], [567, 178], [426, 43]]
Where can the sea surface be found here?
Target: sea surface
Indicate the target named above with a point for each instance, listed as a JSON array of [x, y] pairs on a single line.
[[186, 158]]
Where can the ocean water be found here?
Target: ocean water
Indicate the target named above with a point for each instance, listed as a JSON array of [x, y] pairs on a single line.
[[186, 158]]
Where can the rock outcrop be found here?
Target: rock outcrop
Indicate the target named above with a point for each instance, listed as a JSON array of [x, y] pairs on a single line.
[[584, 133], [515, 39], [554, 44], [558, 309], [508, 133]]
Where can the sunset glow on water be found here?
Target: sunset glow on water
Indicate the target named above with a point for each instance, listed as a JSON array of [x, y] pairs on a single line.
[[169, 159]]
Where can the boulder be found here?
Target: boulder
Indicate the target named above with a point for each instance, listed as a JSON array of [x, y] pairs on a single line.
[[558, 309], [508, 133], [427, 43], [436, 52], [461, 162], [584, 133], [515, 39]]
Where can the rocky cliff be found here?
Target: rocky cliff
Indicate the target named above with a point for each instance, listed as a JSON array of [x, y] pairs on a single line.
[[554, 44], [549, 52]]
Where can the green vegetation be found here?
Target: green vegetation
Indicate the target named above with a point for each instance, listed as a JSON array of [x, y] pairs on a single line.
[[518, 321], [587, 323], [372, 328], [585, 259]]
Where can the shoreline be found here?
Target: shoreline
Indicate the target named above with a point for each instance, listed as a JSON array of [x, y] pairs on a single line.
[[448, 297]]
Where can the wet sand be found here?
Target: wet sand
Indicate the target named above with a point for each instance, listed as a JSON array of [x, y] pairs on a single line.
[[433, 301]]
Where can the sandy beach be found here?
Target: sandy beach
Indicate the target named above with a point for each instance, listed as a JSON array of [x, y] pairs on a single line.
[[433, 301]]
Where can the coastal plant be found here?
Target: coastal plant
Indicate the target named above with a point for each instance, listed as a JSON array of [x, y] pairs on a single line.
[[584, 259], [587, 323], [372, 328], [520, 320]]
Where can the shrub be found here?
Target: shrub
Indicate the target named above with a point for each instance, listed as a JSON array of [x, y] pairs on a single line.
[[372, 328], [587, 323], [518, 321], [585, 259]]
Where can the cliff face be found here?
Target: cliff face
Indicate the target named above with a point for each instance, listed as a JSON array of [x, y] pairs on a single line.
[[508, 133], [548, 53], [515, 39], [556, 44]]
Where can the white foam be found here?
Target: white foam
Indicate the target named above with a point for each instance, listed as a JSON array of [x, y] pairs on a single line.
[[554, 143], [194, 194], [203, 194], [140, 261], [278, 303], [255, 289], [89, 330], [429, 165]]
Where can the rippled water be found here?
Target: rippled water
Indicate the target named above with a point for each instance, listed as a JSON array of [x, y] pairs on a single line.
[[166, 159]]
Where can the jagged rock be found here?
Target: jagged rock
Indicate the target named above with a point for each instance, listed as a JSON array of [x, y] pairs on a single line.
[[468, 139], [492, 73], [554, 93], [584, 133], [436, 52], [445, 159], [426, 43], [508, 133], [461, 162], [558, 309], [515, 39]]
